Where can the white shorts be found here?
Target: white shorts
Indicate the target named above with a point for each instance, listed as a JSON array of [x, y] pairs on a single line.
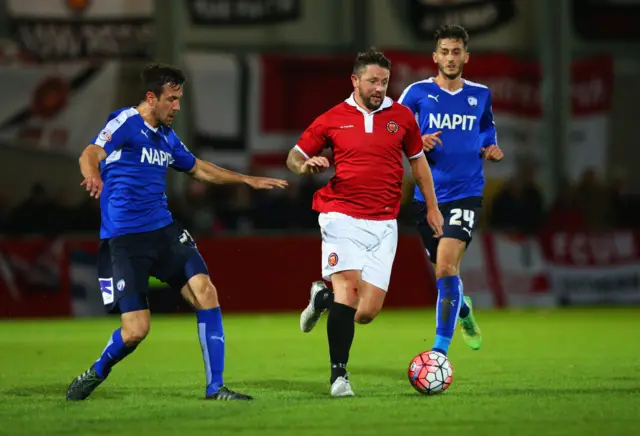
[[358, 244]]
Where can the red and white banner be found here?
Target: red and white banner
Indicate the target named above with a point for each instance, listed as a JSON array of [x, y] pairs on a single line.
[[504, 271], [587, 268], [41, 277]]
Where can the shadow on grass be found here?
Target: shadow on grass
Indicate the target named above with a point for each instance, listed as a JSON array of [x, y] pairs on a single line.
[[58, 391], [316, 389], [313, 390]]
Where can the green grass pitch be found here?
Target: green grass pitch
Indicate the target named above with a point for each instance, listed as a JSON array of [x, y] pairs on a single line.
[[557, 372]]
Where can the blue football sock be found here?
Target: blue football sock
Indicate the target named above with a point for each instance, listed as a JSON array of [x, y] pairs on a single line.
[[211, 336], [465, 310], [449, 298], [114, 352]]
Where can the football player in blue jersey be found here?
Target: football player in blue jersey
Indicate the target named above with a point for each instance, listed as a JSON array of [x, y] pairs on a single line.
[[125, 167], [456, 121]]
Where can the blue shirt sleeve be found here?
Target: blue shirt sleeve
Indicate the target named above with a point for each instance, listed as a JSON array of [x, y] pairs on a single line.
[[114, 134], [410, 98], [183, 159], [487, 125]]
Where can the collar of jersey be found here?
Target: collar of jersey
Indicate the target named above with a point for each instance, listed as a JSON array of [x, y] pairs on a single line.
[[147, 125], [386, 103], [457, 91]]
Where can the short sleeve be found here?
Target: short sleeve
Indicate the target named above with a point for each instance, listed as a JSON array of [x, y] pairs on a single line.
[[412, 141], [182, 160], [114, 134], [313, 139]]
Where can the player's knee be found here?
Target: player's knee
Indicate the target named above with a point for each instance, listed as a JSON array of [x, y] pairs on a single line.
[[135, 326], [446, 269], [206, 295], [365, 316], [135, 332]]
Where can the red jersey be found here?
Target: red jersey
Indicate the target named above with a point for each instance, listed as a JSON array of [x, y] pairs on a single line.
[[367, 152]]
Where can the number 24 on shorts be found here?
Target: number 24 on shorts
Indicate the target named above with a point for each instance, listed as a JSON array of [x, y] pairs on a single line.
[[468, 216]]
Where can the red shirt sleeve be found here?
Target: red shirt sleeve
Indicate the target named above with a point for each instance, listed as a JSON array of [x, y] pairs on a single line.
[[412, 141], [313, 140]]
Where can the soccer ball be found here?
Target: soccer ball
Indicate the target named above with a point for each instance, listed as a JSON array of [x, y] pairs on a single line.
[[430, 373]]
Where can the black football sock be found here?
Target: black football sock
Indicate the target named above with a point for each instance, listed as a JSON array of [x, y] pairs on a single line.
[[340, 332], [323, 299]]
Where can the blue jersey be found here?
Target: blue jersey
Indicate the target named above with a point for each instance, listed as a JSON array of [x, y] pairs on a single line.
[[134, 173], [466, 120]]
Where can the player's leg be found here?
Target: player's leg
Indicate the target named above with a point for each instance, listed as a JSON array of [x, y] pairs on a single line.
[[334, 229], [376, 272], [471, 332], [460, 221], [183, 268], [136, 322], [344, 243], [123, 282], [341, 328], [450, 296]]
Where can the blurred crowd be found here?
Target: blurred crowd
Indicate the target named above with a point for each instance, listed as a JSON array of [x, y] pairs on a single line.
[[203, 209], [590, 204], [518, 206]]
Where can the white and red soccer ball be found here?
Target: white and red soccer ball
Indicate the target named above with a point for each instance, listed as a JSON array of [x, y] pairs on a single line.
[[430, 373]]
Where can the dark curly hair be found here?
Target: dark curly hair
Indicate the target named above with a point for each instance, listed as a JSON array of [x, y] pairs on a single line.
[[155, 76], [452, 31]]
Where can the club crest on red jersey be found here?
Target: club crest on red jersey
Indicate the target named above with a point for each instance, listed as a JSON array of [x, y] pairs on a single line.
[[392, 126]]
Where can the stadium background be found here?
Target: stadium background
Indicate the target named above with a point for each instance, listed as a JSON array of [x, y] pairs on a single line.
[[559, 231], [562, 210], [560, 214]]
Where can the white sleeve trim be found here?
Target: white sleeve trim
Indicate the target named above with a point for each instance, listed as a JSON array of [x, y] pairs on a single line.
[[106, 134], [408, 88], [301, 151], [416, 156]]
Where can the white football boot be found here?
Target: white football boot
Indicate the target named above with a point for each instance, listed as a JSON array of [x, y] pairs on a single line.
[[342, 387], [310, 315]]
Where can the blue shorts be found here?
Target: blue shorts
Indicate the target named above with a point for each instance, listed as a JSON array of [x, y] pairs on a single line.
[[126, 262], [460, 221]]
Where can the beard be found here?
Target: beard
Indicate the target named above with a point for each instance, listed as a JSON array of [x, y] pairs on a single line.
[[450, 76], [368, 101], [164, 120]]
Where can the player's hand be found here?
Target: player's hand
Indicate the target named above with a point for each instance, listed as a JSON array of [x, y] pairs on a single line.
[[429, 141], [492, 152], [435, 221], [93, 184], [266, 183], [315, 165]]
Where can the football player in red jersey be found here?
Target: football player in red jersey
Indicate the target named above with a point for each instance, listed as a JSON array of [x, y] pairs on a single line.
[[368, 135]]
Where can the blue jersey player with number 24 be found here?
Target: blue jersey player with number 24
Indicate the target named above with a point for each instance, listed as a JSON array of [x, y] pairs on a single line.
[[456, 121], [126, 166]]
